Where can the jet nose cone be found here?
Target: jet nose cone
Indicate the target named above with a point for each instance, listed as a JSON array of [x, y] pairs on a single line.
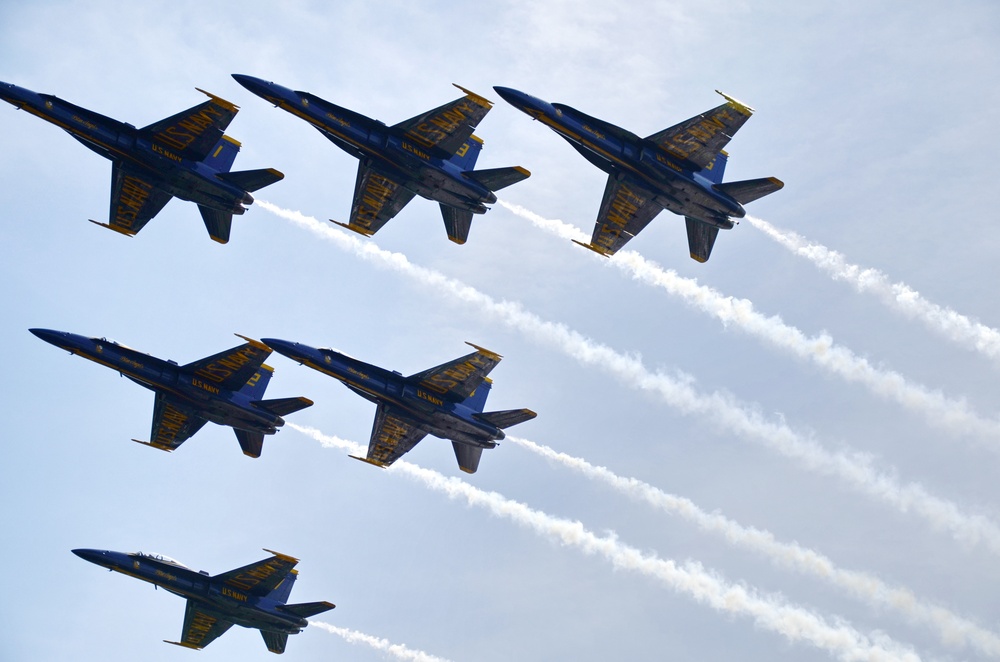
[[524, 102], [510, 95], [285, 347], [256, 85], [49, 335], [93, 555]]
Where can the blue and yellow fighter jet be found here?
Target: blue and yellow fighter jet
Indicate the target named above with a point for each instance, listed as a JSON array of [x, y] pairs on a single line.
[[446, 401], [187, 156], [225, 388], [679, 169], [431, 155], [253, 596]]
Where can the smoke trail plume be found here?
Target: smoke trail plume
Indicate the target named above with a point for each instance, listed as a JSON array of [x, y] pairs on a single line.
[[935, 407], [398, 651], [770, 612], [951, 628], [899, 296], [722, 409]]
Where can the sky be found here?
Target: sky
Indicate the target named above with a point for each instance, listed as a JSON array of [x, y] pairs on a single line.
[[814, 462]]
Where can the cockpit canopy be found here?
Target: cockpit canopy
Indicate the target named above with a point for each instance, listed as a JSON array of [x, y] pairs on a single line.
[[160, 557]]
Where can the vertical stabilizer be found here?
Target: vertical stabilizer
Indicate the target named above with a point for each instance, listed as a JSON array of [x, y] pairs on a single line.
[[257, 384], [477, 401], [284, 589], [717, 168], [467, 155], [223, 155]]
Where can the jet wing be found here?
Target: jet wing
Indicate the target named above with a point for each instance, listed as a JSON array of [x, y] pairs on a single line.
[[201, 627], [233, 368], [259, 578], [457, 379], [625, 210], [135, 200], [701, 138], [393, 435], [173, 424], [193, 133], [447, 127], [377, 199]]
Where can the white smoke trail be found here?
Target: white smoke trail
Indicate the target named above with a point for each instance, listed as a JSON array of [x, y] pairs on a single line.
[[770, 612], [722, 409], [945, 321], [952, 629], [398, 651], [947, 413]]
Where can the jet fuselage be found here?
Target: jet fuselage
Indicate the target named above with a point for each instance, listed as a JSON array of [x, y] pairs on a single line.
[[221, 406], [442, 418], [678, 187], [242, 608], [424, 171], [189, 180]]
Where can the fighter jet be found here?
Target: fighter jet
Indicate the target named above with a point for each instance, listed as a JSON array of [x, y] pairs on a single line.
[[446, 401], [679, 169], [185, 155], [431, 155], [225, 388], [253, 596]]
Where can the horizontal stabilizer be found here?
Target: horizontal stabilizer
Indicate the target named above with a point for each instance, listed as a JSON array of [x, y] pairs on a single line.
[[457, 223], [252, 443], [749, 190], [307, 609], [275, 641], [507, 418], [218, 223], [251, 180], [467, 456], [701, 238], [497, 178], [283, 406]]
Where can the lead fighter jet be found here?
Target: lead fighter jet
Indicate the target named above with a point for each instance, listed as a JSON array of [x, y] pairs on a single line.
[[679, 169], [253, 596], [446, 401], [185, 156], [225, 388], [431, 155]]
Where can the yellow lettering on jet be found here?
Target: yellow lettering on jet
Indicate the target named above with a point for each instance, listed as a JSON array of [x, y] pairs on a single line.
[[219, 370], [429, 398], [170, 155], [413, 150], [188, 129], [377, 192], [236, 595], [133, 196], [201, 625]]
